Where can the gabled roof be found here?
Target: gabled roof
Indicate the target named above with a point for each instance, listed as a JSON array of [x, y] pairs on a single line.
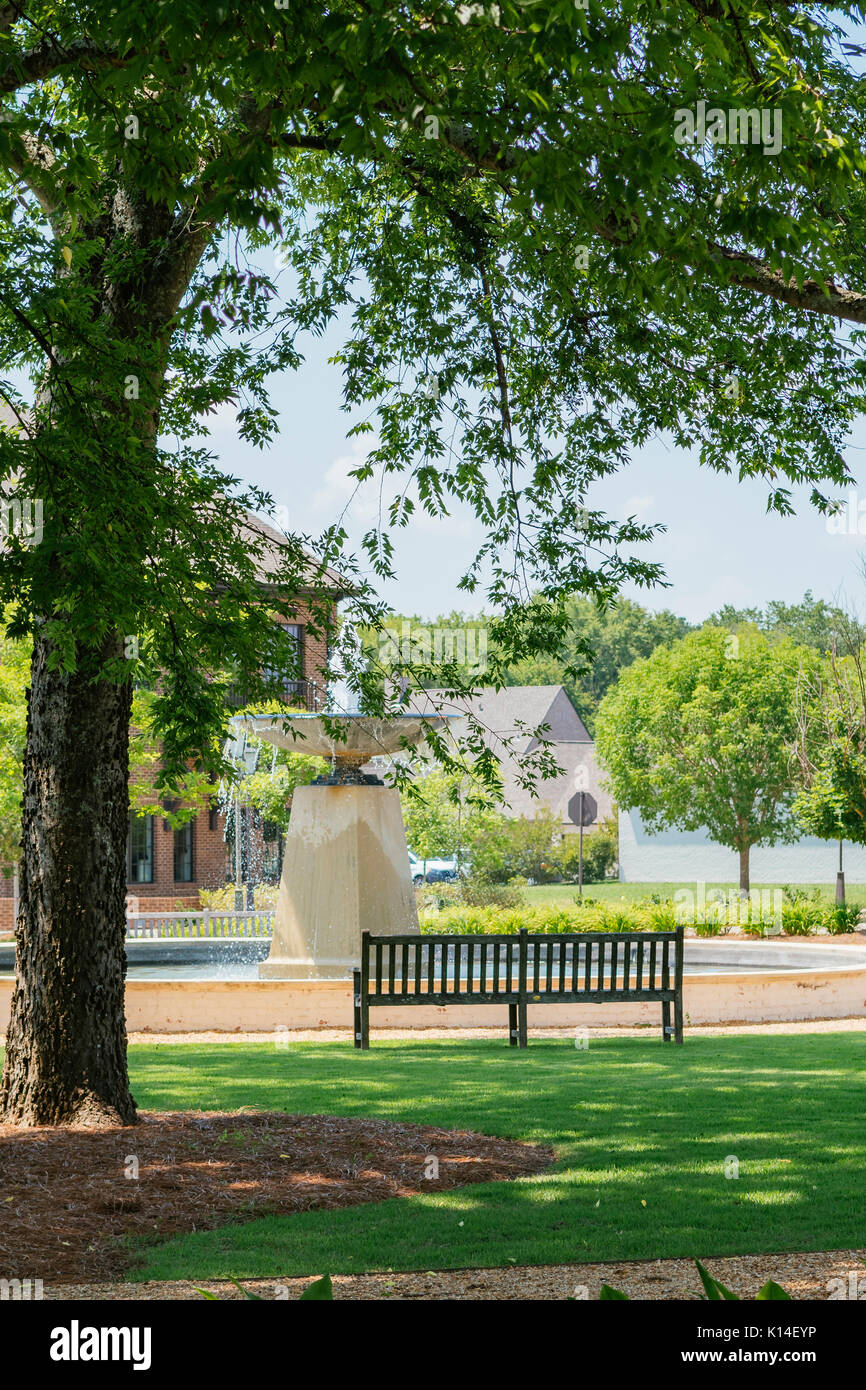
[[514, 711], [274, 545]]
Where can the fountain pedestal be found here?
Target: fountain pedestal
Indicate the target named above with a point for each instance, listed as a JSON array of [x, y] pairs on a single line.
[[345, 870], [346, 865]]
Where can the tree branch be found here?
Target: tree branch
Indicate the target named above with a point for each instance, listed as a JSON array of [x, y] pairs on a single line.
[[49, 58]]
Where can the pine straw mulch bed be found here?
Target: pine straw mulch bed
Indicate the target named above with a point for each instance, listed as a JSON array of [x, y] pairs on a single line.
[[65, 1202], [804, 1276]]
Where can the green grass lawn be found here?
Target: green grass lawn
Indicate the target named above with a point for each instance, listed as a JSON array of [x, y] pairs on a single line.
[[642, 1130], [633, 892]]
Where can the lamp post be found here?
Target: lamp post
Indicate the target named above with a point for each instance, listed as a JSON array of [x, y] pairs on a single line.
[[840, 879]]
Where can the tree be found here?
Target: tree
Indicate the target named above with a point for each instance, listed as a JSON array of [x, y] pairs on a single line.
[[831, 741], [810, 623], [701, 735], [270, 789], [600, 643], [506, 208], [191, 791], [447, 815]]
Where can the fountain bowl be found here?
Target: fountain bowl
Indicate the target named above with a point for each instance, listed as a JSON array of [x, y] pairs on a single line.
[[350, 739]]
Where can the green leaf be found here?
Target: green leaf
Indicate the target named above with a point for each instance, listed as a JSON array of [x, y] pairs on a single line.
[[247, 1293], [609, 1295], [716, 1292], [772, 1292], [321, 1289]]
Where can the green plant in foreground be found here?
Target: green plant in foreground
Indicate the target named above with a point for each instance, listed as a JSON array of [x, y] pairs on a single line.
[[843, 918], [319, 1290], [715, 1291]]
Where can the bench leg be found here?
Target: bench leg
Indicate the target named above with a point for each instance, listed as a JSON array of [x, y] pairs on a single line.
[[361, 1014], [512, 1025], [357, 1013], [521, 1022], [666, 1021], [678, 1020]]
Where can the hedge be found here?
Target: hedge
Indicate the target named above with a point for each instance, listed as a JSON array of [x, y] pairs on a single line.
[[798, 919]]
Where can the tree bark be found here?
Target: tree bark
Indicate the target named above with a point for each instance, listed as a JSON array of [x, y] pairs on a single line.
[[66, 1045], [744, 872]]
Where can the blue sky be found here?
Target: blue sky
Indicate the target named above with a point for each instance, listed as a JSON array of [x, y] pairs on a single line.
[[721, 546]]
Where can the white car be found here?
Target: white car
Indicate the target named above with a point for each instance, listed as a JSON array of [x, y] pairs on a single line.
[[437, 870]]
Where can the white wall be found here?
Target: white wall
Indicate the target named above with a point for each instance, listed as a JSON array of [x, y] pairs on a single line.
[[687, 856]]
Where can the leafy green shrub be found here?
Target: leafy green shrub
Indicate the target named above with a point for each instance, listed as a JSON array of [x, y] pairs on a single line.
[[476, 891], [600, 852], [842, 918], [536, 849], [801, 917], [553, 920], [223, 899]]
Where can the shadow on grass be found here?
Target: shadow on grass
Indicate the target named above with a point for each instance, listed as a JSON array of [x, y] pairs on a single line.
[[648, 1137]]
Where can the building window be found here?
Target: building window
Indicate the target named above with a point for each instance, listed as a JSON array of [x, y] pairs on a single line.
[[291, 679], [139, 850], [183, 854]]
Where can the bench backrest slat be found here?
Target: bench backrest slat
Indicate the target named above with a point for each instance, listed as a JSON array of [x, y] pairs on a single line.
[[539, 965]]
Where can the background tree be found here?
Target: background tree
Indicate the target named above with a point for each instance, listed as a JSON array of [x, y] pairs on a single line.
[[831, 740], [535, 281], [599, 644], [810, 623], [701, 735], [448, 816], [270, 788]]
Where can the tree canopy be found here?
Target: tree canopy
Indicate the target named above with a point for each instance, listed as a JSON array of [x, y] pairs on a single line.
[[810, 623], [494, 200], [831, 740], [702, 735], [535, 264]]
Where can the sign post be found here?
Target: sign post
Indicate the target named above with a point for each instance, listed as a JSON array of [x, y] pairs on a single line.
[[582, 810]]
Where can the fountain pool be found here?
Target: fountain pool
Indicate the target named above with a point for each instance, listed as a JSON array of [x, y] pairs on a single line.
[[196, 986]]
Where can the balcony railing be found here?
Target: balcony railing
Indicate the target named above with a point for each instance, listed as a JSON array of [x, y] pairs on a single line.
[[310, 696], [305, 695]]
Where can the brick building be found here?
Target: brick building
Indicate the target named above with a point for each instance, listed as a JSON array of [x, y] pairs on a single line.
[[166, 868]]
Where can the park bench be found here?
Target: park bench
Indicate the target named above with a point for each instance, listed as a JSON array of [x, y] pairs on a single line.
[[519, 970]]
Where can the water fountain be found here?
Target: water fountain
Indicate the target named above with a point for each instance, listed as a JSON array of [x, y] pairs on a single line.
[[346, 864]]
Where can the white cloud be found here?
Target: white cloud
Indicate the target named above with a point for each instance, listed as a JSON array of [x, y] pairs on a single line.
[[639, 506]]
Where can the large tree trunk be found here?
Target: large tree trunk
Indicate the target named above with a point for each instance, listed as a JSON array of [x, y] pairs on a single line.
[[66, 1046]]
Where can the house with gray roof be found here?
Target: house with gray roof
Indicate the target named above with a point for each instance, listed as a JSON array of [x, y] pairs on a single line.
[[513, 721]]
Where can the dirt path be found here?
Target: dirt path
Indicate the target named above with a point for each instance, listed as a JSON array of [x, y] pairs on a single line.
[[804, 1276]]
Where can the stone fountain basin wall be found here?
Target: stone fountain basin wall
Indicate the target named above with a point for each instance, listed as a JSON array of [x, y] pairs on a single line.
[[827, 982]]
